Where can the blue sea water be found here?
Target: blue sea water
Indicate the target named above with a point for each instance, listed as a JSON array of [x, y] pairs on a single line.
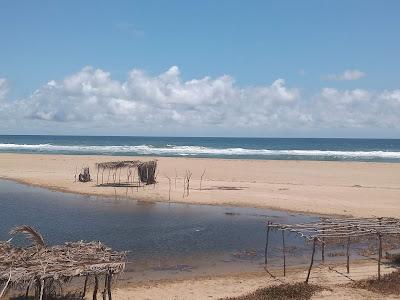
[[387, 150]]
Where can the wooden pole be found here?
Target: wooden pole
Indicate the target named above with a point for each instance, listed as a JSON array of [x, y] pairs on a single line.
[[105, 287], [312, 260], [284, 253], [201, 178], [266, 245], [41, 289], [96, 286], [38, 288], [27, 290], [176, 175], [323, 247], [109, 285], [85, 286], [348, 255], [379, 256]]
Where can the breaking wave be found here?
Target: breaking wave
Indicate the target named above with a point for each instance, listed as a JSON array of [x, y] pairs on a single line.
[[173, 150]]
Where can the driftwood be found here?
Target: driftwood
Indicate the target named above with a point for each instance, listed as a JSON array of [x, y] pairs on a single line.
[[338, 231], [41, 266]]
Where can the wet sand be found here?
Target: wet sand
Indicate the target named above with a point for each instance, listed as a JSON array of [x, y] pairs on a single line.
[[341, 188]]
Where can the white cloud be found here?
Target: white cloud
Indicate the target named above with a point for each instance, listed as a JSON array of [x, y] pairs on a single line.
[[357, 109], [347, 75], [3, 88], [92, 100], [129, 29], [91, 95]]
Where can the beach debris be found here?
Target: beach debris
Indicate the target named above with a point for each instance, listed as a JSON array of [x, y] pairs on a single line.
[[339, 231], [85, 175], [179, 267], [245, 254], [41, 268]]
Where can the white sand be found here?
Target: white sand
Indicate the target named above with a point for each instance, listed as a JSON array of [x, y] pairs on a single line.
[[350, 188]]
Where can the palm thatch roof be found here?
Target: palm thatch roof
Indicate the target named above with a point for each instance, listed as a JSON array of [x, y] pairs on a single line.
[[146, 172], [22, 266]]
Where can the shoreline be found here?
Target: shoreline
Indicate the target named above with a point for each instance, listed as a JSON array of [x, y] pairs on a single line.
[[60, 190], [312, 187]]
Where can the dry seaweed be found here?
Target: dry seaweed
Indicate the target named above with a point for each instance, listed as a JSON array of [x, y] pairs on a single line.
[[388, 284], [286, 291]]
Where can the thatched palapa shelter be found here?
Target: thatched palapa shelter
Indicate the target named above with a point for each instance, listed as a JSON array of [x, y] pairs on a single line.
[[338, 231], [39, 267], [145, 172]]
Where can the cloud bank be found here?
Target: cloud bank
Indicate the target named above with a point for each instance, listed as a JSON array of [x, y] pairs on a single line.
[[347, 75], [92, 100], [3, 88]]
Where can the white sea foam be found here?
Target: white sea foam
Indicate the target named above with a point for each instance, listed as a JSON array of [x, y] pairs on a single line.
[[196, 150]]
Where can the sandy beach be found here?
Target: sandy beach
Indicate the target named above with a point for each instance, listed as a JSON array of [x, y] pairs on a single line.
[[335, 281], [343, 188]]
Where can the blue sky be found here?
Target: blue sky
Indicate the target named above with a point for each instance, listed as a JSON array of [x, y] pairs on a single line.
[[308, 44]]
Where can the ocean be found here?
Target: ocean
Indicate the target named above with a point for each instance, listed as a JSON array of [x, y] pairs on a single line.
[[333, 149]]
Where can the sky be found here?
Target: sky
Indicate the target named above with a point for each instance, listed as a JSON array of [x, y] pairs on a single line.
[[201, 68]]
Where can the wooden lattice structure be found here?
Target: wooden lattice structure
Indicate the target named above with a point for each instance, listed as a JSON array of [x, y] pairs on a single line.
[[145, 172], [331, 231], [39, 267]]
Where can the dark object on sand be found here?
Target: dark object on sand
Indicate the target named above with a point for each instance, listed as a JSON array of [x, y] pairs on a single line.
[[85, 176]]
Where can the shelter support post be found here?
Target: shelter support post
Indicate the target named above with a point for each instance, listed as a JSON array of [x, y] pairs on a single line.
[[85, 287], [284, 253], [96, 286], [348, 255], [109, 277], [312, 260], [323, 248], [266, 245], [379, 256]]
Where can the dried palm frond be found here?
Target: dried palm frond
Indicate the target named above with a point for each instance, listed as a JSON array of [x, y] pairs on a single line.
[[31, 234]]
